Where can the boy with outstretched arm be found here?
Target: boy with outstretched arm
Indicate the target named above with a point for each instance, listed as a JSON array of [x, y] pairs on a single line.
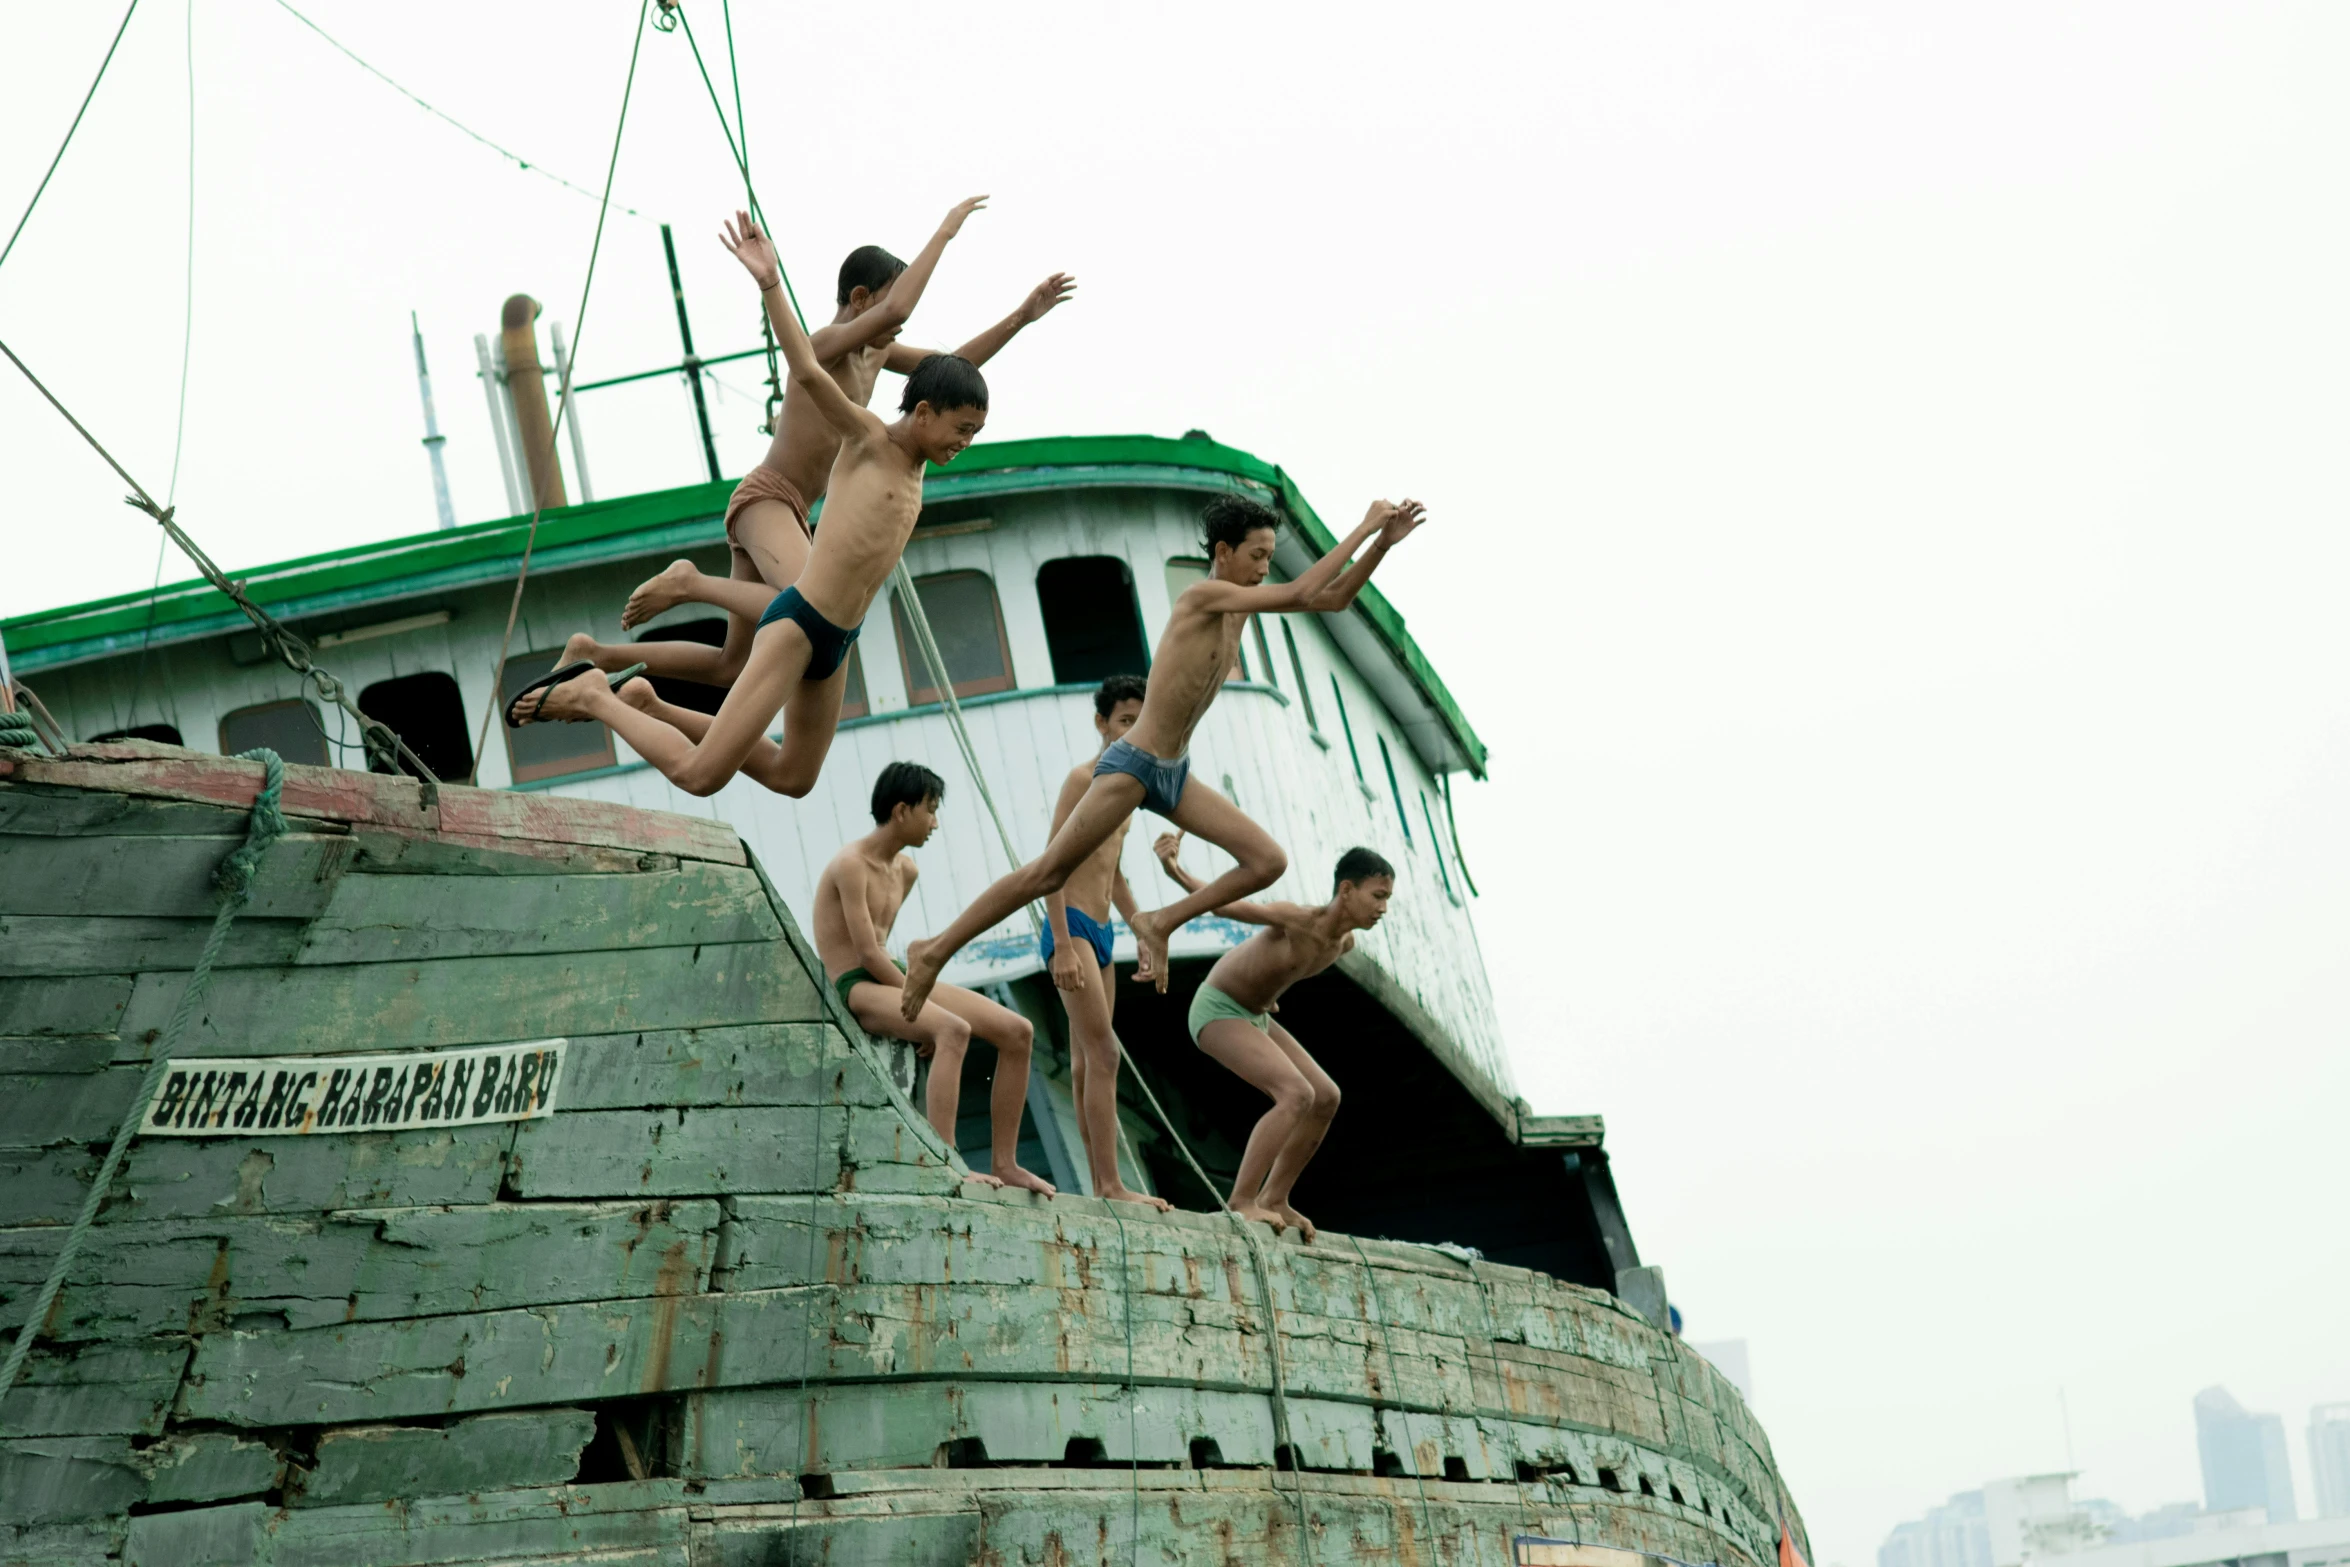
[[800, 649], [1076, 948], [1150, 766], [857, 900], [1231, 1019], [767, 516]]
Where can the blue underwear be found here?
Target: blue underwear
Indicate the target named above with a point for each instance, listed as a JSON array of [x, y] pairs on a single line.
[[1082, 927], [1162, 781], [828, 644]]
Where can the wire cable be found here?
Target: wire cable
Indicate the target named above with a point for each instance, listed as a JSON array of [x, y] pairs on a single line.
[[69, 130], [508, 153]]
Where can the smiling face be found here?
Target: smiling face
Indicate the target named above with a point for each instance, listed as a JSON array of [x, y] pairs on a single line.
[[1364, 903], [1247, 564], [941, 437], [1121, 719], [915, 823]]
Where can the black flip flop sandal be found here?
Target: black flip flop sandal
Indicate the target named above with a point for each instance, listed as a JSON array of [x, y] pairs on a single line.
[[541, 686]]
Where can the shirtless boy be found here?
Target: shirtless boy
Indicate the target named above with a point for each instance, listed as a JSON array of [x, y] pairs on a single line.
[[800, 649], [1231, 1020], [1151, 766], [767, 516], [857, 900], [1076, 949]]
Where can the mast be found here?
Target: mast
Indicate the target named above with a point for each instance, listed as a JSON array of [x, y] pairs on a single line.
[[433, 439], [692, 366]]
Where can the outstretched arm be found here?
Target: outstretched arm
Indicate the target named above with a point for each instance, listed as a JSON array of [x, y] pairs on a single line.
[[888, 315], [1169, 844], [1039, 303], [757, 254], [1331, 583]]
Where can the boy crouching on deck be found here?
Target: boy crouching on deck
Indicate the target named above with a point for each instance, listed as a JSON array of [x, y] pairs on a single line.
[[857, 900], [1231, 1019]]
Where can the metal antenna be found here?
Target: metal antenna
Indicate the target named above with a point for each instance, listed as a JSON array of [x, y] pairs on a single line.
[[433, 439]]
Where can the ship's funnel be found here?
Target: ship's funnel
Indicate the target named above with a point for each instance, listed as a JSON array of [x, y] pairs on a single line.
[[526, 383]]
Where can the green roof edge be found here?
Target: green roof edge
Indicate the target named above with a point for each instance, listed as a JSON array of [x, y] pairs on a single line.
[[311, 577]]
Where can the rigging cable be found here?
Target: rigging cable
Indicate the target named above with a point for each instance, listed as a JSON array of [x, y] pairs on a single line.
[[538, 503], [69, 130], [511, 156]]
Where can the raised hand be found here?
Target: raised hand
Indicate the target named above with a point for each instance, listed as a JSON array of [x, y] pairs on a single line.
[[953, 223], [753, 249], [1167, 847], [1041, 299], [1405, 517]]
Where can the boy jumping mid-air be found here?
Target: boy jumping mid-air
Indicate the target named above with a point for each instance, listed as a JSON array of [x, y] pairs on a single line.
[[857, 900], [1150, 766], [1231, 1020], [1076, 946], [767, 516], [799, 652]]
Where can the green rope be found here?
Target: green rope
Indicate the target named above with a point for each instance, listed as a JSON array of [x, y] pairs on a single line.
[[1395, 1388], [234, 882], [17, 732], [18, 231]]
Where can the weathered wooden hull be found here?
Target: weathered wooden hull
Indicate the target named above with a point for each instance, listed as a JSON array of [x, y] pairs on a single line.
[[731, 1301]]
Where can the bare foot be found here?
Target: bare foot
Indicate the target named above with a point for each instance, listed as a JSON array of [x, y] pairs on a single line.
[[639, 694], [1121, 1194], [922, 971], [656, 594], [568, 702], [581, 647], [1259, 1215], [1026, 1181], [1150, 943], [1297, 1221], [981, 1178]]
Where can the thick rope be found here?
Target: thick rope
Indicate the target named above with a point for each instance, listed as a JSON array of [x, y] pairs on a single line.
[[538, 504], [17, 732], [381, 742], [69, 130], [1395, 1389], [234, 882]]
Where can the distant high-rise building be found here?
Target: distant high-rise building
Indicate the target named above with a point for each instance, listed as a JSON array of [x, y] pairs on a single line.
[[2244, 1463], [2329, 1458]]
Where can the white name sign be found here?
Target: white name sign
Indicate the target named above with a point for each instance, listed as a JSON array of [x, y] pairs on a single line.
[[297, 1096]]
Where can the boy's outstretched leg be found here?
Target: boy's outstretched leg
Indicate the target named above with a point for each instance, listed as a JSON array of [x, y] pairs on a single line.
[[1263, 1065], [938, 1036], [1204, 813], [1013, 1037], [705, 764], [1305, 1138], [743, 598], [1109, 800]]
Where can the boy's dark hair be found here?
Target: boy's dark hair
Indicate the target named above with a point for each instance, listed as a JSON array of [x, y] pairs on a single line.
[[1116, 689], [945, 381], [905, 783], [870, 268], [1230, 519], [1359, 866]]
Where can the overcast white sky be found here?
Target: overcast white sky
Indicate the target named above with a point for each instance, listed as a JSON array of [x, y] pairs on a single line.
[[1888, 472]]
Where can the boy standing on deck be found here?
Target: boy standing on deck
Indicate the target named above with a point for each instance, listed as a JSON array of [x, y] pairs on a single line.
[[857, 900], [1231, 1019], [767, 516], [1151, 765], [1076, 948], [800, 649]]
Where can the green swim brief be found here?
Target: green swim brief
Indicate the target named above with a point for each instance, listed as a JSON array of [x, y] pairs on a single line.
[[851, 980], [1209, 1004]]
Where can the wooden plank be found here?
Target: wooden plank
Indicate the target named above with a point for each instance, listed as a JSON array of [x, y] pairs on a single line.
[[89, 1005], [175, 1275], [760, 1064], [41, 1111], [618, 1525], [95, 1390], [376, 919], [58, 1052], [97, 1543], [630, 1153], [384, 851], [33, 811], [485, 1453], [86, 944], [459, 1001], [166, 876], [62, 1478], [557, 818]]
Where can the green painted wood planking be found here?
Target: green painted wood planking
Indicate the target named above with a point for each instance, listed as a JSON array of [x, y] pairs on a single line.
[[157, 876], [121, 1389], [58, 1479], [91, 1005], [499, 1452], [760, 1148], [754, 1064], [382, 852], [97, 944], [37, 811], [598, 1523]]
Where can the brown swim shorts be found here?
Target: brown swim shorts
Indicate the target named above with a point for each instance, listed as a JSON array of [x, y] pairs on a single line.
[[765, 484]]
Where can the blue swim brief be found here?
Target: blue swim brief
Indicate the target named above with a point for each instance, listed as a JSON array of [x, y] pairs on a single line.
[[828, 644], [1082, 927], [1162, 781]]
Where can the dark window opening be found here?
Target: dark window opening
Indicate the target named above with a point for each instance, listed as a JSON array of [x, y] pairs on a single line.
[[1348, 725], [1297, 667], [969, 628], [549, 750], [692, 695], [161, 734], [1385, 1464], [289, 728], [1206, 1453], [1646, 1489], [1456, 1468], [1084, 1452], [1091, 622], [1388, 761], [428, 714]]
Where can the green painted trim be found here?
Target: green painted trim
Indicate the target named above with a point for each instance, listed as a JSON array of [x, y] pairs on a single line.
[[607, 530]]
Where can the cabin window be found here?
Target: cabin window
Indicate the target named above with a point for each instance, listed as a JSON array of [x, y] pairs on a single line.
[[428, 714], [1388, 761], [692, 695], [289, 728], [853, 702], [548, 750], [1182, 572], [1348, 725], [1297, 667], [969, 627], [161, 734], [1091, 623], [1436, 842]]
